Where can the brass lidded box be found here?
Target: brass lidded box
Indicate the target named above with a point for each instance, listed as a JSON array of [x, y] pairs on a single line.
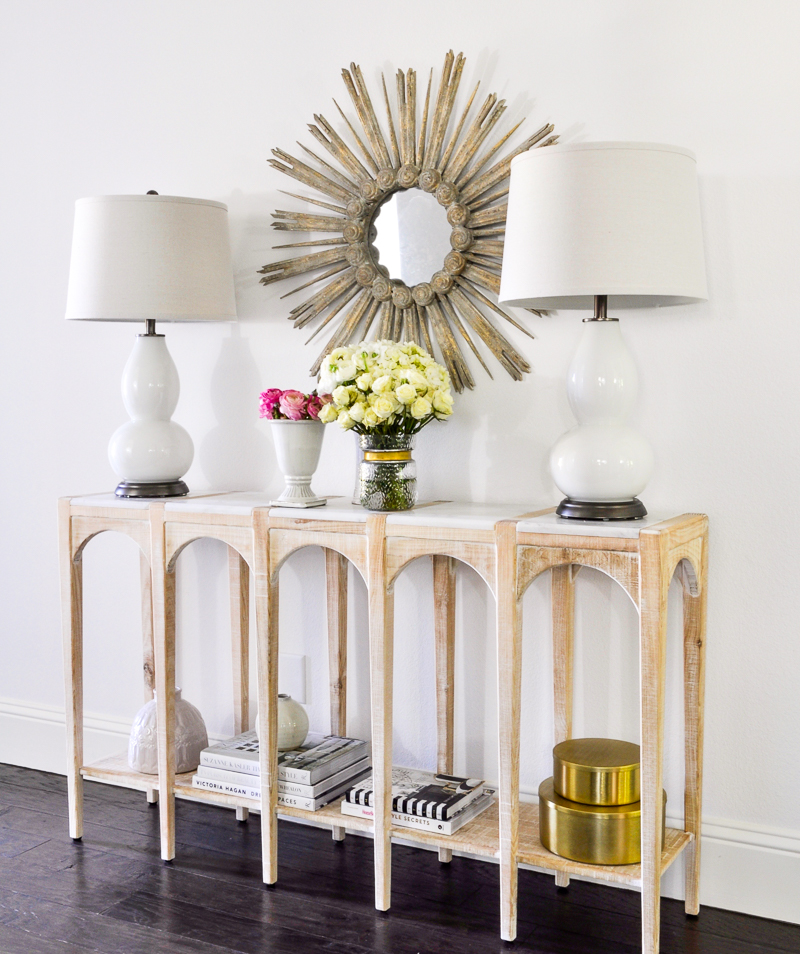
[[595, 834], [597, 771]]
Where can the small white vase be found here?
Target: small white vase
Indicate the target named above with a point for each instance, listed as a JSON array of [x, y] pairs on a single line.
[[292, 723], [190, 737], [298, 445]]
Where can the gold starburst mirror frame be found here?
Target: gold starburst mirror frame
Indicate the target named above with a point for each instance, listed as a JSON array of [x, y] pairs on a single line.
[[452, 167]]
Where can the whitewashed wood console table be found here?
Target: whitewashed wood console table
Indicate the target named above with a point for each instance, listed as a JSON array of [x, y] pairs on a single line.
[[508, 546]]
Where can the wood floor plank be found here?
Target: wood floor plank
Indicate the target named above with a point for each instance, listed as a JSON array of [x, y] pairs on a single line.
[[90, 883], [14, 941], [13, 843], [192, 922], [47, 921]]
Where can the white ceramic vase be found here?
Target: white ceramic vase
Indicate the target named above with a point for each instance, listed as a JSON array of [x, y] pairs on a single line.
[[292, 723], [603, 459], [190, 737], [298, 445]]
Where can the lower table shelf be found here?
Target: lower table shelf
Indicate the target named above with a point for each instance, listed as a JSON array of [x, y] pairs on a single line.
[[478, 837], [115, 771]]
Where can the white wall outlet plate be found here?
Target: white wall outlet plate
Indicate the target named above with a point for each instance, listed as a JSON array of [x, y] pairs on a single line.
[[292, 676]]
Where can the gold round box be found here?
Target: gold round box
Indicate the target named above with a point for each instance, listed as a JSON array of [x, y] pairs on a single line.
[[593, 834], [597, 771]]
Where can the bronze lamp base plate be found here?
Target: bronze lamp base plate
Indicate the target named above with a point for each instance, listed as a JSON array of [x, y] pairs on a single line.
[[152, 488], [599, 510]]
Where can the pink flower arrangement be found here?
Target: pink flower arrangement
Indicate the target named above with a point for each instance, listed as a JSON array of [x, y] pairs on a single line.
[[292, 405]]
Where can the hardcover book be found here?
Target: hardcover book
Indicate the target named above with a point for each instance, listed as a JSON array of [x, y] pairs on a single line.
[[316, 759], [347, 774], [309, 804], [444, 827], [416, 792]]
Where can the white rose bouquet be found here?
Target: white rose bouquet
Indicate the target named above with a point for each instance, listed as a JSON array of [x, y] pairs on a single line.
[[384, 388]]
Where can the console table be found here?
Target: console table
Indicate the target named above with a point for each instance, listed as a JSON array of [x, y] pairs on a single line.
[[508, 546]]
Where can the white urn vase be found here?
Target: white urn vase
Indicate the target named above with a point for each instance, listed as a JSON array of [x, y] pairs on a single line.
[[292, 723], [190, 737], [297, 446]]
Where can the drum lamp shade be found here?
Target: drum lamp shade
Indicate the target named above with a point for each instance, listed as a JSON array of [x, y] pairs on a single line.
[[603, 218], [150, 257]]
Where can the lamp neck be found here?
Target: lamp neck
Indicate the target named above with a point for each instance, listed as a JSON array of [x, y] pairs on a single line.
[[150, 323], [600, 309], [150, 329]]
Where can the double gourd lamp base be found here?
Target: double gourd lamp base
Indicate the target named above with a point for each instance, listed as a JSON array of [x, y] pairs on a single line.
[[603, 226], [603, 463], [149, 258]]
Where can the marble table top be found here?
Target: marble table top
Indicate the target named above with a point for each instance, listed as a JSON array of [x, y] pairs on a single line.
[[444, 514]]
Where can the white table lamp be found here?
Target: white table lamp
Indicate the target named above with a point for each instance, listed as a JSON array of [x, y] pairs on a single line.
[[150, 258], [603, 226]]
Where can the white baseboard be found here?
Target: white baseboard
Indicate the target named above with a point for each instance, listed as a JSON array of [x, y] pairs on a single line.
[[34, 736], [754, 869]]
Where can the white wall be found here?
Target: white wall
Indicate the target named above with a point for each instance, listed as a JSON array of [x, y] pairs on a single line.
[[188, 98]]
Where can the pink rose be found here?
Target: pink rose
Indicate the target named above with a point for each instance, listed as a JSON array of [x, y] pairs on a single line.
[[269, 401], [316, 402], [293, 405]]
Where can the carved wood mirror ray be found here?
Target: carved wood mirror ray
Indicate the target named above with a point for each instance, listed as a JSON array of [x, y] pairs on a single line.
[[451, 299]]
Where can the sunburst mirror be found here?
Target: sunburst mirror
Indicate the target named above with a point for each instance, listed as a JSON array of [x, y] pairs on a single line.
[[416, 223]]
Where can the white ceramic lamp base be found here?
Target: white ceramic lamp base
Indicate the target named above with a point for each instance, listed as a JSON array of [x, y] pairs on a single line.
[[298, 445], [150, 452], [603, 463]]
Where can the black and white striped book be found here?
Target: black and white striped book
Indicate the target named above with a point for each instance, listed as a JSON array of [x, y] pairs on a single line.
[[286, 788], [316, 759], [416, 792], [448, 827]]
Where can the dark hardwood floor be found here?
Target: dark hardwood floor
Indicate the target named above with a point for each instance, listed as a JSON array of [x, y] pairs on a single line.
[[112, 894]]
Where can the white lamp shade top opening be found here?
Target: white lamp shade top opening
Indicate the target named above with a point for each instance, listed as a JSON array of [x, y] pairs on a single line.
[[141, 257], [607, 218]]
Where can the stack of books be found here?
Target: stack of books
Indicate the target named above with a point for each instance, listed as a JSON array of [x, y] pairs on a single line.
[[316, 773], [440, 803]]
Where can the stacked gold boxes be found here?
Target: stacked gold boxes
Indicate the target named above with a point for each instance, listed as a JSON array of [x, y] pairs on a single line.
[[589, 810]]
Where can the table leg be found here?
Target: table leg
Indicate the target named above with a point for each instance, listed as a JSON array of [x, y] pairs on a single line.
[[562, 595], [239, 583], [148, 653], [509, 657], [266, 598], [72, 626], [562, 588], [381, 650], [164, 646], [444, 618], [694, 656], [336, 592], [654, 587]]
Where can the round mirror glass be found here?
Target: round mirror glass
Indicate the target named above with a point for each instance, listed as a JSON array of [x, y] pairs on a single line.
[[413, 235]]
